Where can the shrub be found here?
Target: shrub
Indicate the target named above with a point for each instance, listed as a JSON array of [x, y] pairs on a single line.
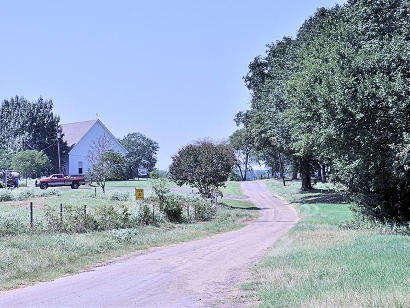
[[173, 208], [119, 196], [110, 217], [6, 195], [48, 192], [73, 219], [204, 210], [161, 192], [154, 174], [145, 214], [11, 226], [124, 235], [21, 194]]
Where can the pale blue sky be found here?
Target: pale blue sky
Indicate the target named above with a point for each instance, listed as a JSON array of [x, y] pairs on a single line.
[[169, 69]]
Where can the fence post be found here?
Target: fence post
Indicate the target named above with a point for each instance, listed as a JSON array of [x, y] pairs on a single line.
[[95, 191], [31, 214], [153, 213], [61, 212]]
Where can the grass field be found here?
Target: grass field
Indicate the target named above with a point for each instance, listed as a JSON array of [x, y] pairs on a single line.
[[318, 264], [232, 189], [28, 258]]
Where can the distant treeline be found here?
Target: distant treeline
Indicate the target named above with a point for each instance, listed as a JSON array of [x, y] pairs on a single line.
[[334, 102]]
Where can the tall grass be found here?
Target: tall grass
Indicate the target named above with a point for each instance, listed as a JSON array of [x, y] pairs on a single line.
[[37, 257]]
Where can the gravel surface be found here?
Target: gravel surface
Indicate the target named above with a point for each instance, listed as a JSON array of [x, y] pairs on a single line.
[[200, 273]]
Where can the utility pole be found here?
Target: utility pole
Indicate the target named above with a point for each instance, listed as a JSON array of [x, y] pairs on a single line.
[[58, 149]]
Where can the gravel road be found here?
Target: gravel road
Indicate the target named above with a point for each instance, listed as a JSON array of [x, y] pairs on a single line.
[[194, 274]]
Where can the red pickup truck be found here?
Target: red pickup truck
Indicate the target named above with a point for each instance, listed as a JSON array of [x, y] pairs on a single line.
[[60, 180]]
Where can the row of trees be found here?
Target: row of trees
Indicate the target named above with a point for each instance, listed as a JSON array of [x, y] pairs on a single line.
[[28, 142], [335, 100]]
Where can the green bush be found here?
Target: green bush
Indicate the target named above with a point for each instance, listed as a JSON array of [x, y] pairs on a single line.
[[154, 174], [124, 235], [161, 192], [73, 219], [119, 196], [145, 214], [48, 192], [22, 194], [6, 195], [110, 217], [11, 226], [173, 208]]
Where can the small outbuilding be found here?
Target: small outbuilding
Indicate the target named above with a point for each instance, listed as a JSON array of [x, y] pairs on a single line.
[[83, 137]]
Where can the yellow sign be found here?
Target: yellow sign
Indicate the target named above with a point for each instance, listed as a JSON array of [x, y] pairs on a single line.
[[139, 194]]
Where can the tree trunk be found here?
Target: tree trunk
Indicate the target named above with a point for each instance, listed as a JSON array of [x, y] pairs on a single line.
[[246, 165], [305, 174], [295, 174], [319, 173], [282, 172], [323, 173], [240, 171]]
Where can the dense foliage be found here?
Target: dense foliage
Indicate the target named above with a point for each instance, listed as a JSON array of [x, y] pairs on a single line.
[[29, 125], [203, 165], [335, 101], [142, 153], [30, 163]]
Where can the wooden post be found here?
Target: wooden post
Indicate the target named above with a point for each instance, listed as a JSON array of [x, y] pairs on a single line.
[[31, 214], [95, 191], [153, 212], [61, 212]]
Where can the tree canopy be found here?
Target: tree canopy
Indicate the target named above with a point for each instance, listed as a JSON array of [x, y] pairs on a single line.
[[142, 153], [336, 99], [30, 163], [203, 165], [29, 125]]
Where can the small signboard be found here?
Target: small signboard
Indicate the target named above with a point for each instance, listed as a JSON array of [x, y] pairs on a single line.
[[139, 194]]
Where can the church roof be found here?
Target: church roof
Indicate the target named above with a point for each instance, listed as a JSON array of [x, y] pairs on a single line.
[[73, 132]]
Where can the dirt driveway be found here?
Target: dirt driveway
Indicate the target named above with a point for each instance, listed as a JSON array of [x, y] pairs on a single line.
[[192, 274]]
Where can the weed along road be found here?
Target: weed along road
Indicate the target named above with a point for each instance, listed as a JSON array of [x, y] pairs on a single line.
[[192, 274]]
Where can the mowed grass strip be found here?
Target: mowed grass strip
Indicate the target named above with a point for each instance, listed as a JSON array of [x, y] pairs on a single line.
[[232, 189], [317, 264], [30, 258]]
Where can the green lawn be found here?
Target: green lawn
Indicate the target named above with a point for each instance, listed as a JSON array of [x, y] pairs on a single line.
[[233, 189], [318, 264]]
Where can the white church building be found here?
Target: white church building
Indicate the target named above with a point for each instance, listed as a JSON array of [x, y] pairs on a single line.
[[80, 137]]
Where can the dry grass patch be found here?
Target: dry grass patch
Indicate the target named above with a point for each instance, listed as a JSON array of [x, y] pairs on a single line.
[[322, 238], [352, 298]]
